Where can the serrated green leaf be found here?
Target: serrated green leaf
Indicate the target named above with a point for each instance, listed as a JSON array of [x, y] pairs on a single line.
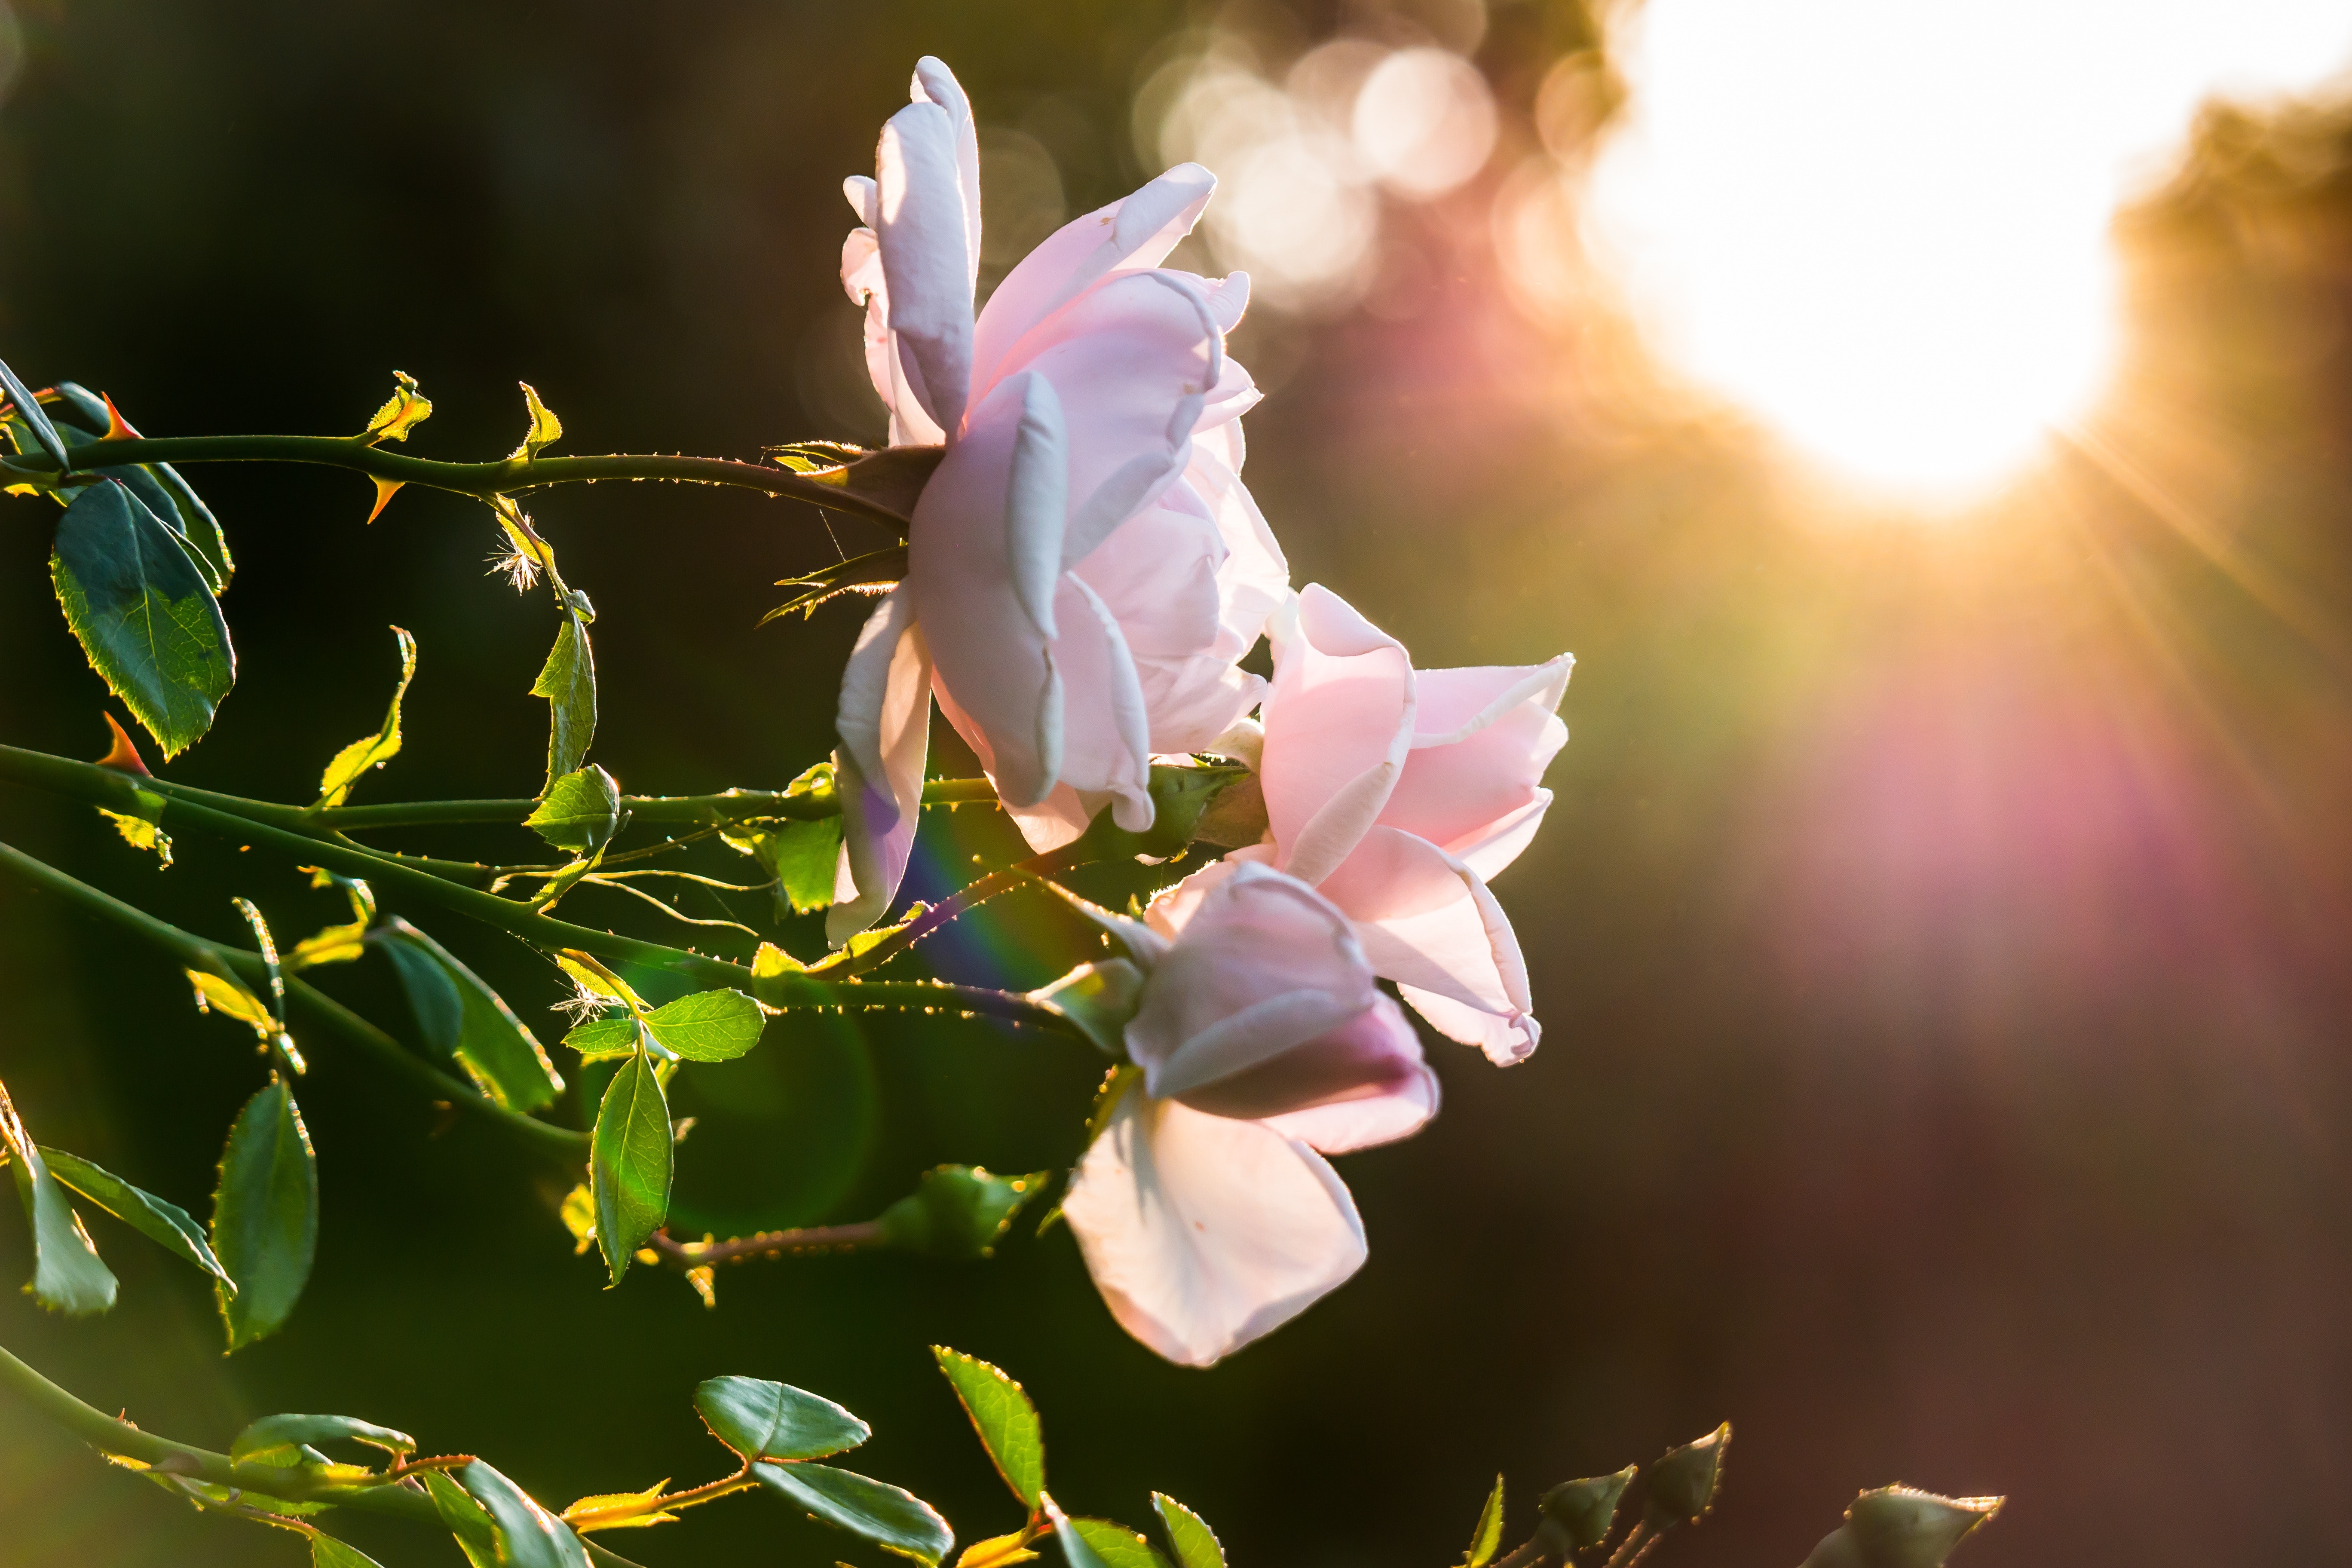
[[463, 1019], [892, 1518], [28, 409], [707, 1025], [266, 1441], [1196, 1544], [142, 827], [1116, 1546], [801, 855], [83, 418], [1099, 999], [465, 1520], [1488, 1534], [1078, 1551], [604, 1039], [958, 1211], [374, 751], [405, 410], [528, 1535], [590, 975], [66, 1274], [264, 1214], [630, 1160], [568, 681], [1007, 1422], [168, 1225], [144, 613], [579, 812], [545, 430], [326, 1552], [764, 1420], [217, 994]]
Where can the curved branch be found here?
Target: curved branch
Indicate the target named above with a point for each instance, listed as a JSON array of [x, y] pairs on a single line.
[[481, 481]]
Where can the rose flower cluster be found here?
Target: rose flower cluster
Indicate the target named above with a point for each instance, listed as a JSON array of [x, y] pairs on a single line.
[[1086, 570]]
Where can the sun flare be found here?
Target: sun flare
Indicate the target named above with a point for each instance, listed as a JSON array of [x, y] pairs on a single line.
[[1885, 228]]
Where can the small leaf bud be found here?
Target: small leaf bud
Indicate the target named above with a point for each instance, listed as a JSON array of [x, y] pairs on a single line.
[[958, 1211], [1584, 1510], [1901, 1527], [1683, 1483]]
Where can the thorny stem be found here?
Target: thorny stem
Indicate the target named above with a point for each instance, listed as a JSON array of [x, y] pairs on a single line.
[[766, 1244], [196, 951], [986, 888], [481, 481], [1635, 1546], [106, 787], [111, 1435]]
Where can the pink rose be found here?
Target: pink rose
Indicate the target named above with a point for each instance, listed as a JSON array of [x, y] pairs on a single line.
[[1397, 793], [1206, 1213], [1084, 566]]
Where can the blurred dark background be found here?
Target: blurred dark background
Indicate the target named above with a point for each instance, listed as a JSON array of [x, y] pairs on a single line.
[[1940, 934]]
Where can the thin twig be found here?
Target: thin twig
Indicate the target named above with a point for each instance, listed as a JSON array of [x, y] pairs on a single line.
[[766, 1244]]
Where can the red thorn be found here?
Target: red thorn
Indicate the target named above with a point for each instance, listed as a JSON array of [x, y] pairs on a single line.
[[123, 756], [118, 428], [383, 492]]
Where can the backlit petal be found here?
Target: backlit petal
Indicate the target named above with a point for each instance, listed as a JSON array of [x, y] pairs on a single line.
[[1339, 723]]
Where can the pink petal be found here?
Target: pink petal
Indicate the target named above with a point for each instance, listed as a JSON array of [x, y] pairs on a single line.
[[934, 83], [1132, 360], [1361, 1083], [1261, 966], [1427, 921], [993, 663], [1105, 732], [1254, 580], [1159, 574], [1338, 722], [1128, 236], [924, 237], [1483, 739], [1204, 1233], [884, 724], [1508, 1038], [1377, 1107], [861, 276]]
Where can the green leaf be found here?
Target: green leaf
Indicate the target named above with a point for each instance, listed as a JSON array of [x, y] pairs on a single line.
[[579, 812], [266, 1214], [528, 1535], [891, 1517], [1116, 1546], [326, 1552], [629, 1162], [142, 826], [1099, 999], [166, 1224], [374, 751], [1195, 1544], [230, 999], [66, 1274], [1489, 1534], [1007, 1422], [958, 1211], [707, 1025], [763, 1420], [1078, 1551], [568, 681], [462, 1018], [84, 418], [545, 430], [604, 1039], [801, 855], [265, 1440], [403, 411], [144, 613], [28, 409], [465, 1518]]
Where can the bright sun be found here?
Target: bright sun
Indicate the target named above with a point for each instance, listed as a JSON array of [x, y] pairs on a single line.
[[1883, 224]]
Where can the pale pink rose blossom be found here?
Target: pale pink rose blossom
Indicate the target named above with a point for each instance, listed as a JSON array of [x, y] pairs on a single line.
[[1206, 1213], [1084, 567], [1398, 793]]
